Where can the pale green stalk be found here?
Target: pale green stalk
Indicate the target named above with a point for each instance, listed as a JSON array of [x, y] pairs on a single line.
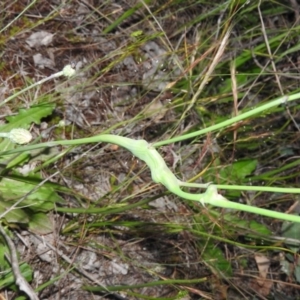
[[162, 174], [282, 100], [67, 71]]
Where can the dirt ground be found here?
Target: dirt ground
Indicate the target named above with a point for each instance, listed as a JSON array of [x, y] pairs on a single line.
[[119, 84]]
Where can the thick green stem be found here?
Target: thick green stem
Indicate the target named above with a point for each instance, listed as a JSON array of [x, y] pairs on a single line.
[[162, 174]]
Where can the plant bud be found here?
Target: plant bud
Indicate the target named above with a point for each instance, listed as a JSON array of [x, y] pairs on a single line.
[[20, 136], [68, 71]]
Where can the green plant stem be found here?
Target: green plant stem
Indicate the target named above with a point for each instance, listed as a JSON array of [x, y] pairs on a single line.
[[162, 174], [114, 139], [282, 100], [16, 94]]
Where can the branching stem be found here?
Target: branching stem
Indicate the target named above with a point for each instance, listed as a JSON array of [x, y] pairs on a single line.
[[160, 173]]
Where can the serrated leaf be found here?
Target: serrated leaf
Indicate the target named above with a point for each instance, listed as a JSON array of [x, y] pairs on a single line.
[[27, 116], [40, 224]]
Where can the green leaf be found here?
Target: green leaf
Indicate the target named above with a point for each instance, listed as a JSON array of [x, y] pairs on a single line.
[[136, 33], [234, 173], [18, 160], [42, 199], [252, 228], [3, 261], [214, 257], [7, 277], [40, 224], [27, 116], [15, 215], [23, 120], [297, 272], [292, 231], [238, 170]]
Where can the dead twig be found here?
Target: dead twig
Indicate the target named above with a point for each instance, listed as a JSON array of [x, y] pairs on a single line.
[[19, 279]]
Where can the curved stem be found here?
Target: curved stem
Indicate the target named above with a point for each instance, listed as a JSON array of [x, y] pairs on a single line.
[[162, 174], [217, 200]]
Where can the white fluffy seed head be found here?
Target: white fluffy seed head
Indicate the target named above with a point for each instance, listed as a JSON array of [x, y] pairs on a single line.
[[20, 136], [61, 123], [68, 71]]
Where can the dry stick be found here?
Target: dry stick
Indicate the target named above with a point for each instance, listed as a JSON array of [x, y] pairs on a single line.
[[273, 63], [209, 71], [269, 49], [40, 82], [19, 279], [235, 101]]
